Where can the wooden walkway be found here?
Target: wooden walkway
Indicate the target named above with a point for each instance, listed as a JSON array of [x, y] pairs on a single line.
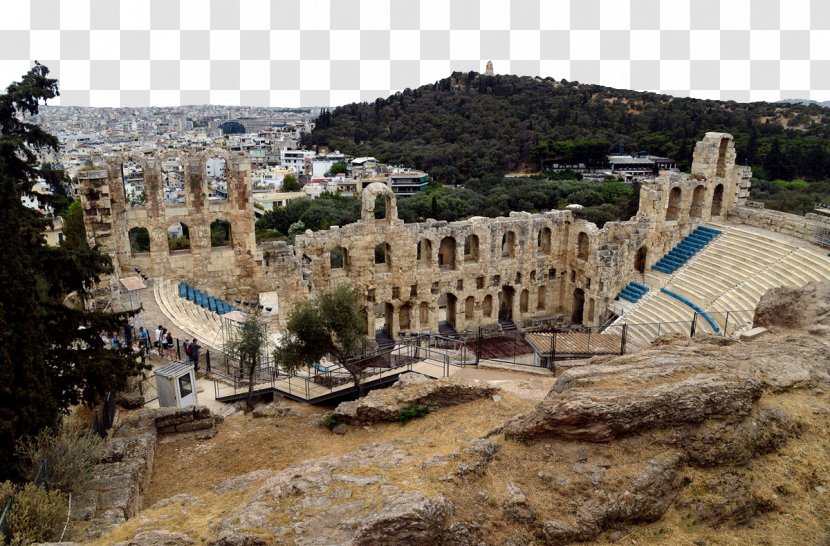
[[303, 388], [577, 343]]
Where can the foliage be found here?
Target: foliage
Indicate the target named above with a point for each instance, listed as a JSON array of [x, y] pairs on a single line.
[[69, 454], [220, 233], [338, 168], [790, 196], [232, 128], [289, 183], [139, 240], [180, 243], [327, 210], [412, 411], [37, 515], [331, 324], [329, 420], [470, 126], [267, 235], [247, 346], [51, 356], [74, 231]]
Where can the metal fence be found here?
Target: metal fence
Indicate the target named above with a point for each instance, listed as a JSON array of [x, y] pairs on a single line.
[[104, 419]]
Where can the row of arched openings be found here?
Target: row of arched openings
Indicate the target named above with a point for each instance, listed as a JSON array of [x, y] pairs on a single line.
[[698, 202], [339, 255], [173, 181], [178, 237]]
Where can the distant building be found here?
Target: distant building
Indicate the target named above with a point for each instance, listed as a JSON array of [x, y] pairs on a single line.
[[489, 70], [409, 182], [271, 200], [300, 161]]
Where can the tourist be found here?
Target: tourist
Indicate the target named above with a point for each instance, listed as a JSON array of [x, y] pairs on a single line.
[[194, 354], [159, 342], [115, 342], [144, 338], [128, 337], [168, 345]]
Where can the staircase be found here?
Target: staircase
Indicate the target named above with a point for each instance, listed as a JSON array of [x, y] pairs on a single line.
[[633, 292], [685, 249], [508, 326]]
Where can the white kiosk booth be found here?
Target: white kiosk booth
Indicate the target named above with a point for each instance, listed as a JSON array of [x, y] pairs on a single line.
[[176, 385]]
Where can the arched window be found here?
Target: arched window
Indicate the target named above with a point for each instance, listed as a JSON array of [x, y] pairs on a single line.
[[216, 174], [139, 240], [541, 298], [578, 306], [698, 196], [383, 255], [673, 209], [339, 258], [424, 255], [508, 245], [582, 246], [523, 301], [640, 259], [178, 236], [469, 307], [132, 173], [543, 241], [720, 170], [487, 306], [446, 253], [471, 248], [717, 200], [380, 207], [172, 177], [220, 233]]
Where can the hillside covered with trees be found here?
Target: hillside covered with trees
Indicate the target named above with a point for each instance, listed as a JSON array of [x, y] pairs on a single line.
[[472, 126]]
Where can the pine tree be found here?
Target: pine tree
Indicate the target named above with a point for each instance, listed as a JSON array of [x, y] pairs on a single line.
[[51, 355]]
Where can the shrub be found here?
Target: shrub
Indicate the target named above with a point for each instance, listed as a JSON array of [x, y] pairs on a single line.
[[329, 421], [69, 455], [37, 515], [410, 412]]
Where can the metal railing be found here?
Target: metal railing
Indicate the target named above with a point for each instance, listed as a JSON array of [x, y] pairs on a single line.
[[103, 420]]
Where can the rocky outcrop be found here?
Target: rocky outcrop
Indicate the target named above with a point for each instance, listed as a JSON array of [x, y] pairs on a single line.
[[334, 500], [788, 308], [385, 404], [599, 416]]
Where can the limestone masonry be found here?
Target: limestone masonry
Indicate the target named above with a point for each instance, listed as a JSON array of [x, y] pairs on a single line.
[[470, 273]]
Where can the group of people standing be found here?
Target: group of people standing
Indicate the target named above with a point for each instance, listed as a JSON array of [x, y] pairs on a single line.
[[163, 342]]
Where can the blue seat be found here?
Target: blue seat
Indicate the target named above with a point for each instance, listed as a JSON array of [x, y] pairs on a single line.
[[212, 303], [182, 289], [191, 293]]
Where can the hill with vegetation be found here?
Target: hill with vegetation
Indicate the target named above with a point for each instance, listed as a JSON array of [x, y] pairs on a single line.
[[473, 126]]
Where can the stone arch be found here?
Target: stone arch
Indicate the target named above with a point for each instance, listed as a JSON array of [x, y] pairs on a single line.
[[578, 306], [506, 295], [452, 303], [220, 233], [446, 253], [673, 207], [487, 306], [640, 259], [139, 240], [471, 248], [405, 317], [717, 200], [541, 298], [524, 301], [469, 308], [339, 258], [370, 193], [171, 169], [720, 169], [543, 240], [133, 179], [178, 237], [582, 246], [508, 244], [383, 256], [698, 199], [424, 253]]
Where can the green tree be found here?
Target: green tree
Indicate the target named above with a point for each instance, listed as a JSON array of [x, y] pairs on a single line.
[[74, 232], [248, 345], [289, 183], [337, 168], [51, 356], [332, 324]]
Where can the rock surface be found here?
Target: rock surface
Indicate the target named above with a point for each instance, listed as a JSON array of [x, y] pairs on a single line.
[[788, 308], [599, 416], [385, 404]]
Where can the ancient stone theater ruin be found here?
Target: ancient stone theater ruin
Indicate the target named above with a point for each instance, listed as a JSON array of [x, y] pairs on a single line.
[[434, 276]]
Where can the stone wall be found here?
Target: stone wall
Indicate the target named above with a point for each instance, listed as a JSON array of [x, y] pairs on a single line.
[[801, 227], [121, 478], [469, 273]]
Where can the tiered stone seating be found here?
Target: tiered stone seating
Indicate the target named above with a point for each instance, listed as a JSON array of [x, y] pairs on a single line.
[[633, 292], [686, 249], [193, 319], [728, 275]]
